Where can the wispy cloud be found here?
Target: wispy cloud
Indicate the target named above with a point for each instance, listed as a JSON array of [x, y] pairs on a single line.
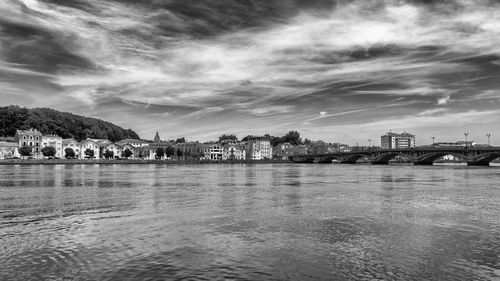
[[267, 64]]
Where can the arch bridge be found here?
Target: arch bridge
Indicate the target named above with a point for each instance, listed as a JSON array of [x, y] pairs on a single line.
[[474, 156]]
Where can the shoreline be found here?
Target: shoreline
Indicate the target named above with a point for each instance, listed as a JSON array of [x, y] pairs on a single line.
[[130, 162]]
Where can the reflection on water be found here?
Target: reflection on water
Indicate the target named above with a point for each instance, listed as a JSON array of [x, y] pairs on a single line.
[[249, 222]]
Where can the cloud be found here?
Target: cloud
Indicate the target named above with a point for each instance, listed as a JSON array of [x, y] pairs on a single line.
[[267, 64], [444, 100]]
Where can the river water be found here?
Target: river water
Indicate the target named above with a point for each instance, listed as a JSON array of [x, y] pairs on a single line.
[[249, 222]]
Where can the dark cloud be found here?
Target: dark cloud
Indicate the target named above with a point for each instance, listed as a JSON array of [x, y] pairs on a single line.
[[39, 49], [250, 66]]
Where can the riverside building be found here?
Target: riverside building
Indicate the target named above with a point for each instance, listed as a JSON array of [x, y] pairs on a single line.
[[397, 141], [31, 138], [8, 150], [73, 144], [259, 148], [54, 141]]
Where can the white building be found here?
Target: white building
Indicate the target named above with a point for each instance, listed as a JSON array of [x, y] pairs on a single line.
[[55, 142], [233, 151], [8, 150], [397, 141], [214, 152], [73, 144], [89, 144], [115, 148]]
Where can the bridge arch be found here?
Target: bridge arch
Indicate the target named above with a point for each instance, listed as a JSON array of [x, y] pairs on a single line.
[[483, 159], [429, 158], [328, 159], [352, 158], [386, 157]]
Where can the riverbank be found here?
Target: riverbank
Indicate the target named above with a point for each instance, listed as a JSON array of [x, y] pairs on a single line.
[[128, 162]]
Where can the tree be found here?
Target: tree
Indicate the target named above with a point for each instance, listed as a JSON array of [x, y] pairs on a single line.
[[179, 153], [247, 138], [89, 153], [160, 153], [49, 151], [69, 153], [307, 142], [228, 137], [292, 137], [25, 151], [180, 140], [127, 153], [108, 154], [170, 151], [65, 125]]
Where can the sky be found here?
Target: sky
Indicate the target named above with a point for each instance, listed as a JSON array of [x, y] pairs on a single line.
[[340, 71]]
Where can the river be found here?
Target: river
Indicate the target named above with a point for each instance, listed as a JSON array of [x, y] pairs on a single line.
[[249, 222]]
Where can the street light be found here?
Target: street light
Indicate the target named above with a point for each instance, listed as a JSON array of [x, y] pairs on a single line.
[[466, 134], [488, 135], [433, 140]]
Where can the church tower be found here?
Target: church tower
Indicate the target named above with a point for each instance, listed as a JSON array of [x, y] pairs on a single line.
[[157, 137]]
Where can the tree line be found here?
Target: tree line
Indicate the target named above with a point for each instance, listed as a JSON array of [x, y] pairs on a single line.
[[292, 137], [63, 124]]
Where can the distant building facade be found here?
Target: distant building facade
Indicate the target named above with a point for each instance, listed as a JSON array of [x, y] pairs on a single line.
[[397, 141], [233, 151], [73, 144], [89, 144], [54, 141], [258, 148], [282, 151], [190, 149], [213, 152], [455, 144], [133, 142], [31, 138], [8, 150]]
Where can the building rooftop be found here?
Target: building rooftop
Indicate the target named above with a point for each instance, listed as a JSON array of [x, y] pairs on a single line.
[[29, 132], [52, 136], [132, 141]]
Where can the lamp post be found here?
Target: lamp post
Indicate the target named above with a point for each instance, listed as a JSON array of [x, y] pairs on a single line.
[[488, 135], [466, 134]]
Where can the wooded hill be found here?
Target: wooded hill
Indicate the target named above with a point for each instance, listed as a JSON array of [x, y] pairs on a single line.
[[63, 124]]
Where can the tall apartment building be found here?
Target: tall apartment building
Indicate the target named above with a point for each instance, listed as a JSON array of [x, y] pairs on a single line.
[[396, 141], [259, 148]]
